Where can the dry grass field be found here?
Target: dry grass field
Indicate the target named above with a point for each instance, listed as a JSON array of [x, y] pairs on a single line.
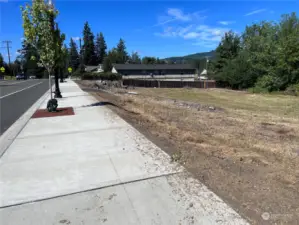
[[245, 147]]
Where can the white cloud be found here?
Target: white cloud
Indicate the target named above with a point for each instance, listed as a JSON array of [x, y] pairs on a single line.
[[255, 12], [22, 38], [76, 38], [203, 35], [178, 14], [175, 14], [191, 35], [174, 32], [225, 23]]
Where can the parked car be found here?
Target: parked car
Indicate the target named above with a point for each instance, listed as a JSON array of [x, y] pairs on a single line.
[[32, 77], [20, 77]]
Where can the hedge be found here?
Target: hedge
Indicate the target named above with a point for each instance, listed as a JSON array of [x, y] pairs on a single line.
[[101, 76]]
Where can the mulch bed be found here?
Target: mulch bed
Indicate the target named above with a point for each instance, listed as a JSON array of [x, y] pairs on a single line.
[[41, 113]]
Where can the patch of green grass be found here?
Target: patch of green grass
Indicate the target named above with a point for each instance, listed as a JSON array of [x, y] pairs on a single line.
[[281, 105], [9, 77]]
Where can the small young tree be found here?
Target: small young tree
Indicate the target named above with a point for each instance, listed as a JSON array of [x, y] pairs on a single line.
[[38, 31]]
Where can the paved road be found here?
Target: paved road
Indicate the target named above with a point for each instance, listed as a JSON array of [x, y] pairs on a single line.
[[16, 97]]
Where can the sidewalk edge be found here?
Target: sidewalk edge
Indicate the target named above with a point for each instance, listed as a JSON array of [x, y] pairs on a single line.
[[13, 131]]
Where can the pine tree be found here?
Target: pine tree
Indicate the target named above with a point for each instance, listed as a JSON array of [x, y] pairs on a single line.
[[89, 56], [100, 48], [74, 60], [121, 51]]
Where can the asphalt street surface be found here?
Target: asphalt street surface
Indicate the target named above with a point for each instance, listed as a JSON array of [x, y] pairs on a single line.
[[16, 97]]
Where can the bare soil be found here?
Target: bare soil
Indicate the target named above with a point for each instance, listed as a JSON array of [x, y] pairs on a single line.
[[244, 147]]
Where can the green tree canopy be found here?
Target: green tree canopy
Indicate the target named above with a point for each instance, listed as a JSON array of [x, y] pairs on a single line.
[[88, 48], [149, 60], [1, 60], [266, 55], [135, 58], [37, 23], [74, 60], [122, 52], [100, 48]]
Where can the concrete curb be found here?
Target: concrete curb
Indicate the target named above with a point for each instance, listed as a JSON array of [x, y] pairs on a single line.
[[10, 135]]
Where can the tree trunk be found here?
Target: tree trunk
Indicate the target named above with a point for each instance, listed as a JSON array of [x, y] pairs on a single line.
[[61, 76], [57, 90]]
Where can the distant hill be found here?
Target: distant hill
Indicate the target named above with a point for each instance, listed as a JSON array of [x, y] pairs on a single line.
[[200, 55]]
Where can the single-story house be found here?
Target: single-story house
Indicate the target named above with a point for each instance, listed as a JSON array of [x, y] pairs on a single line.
[[94, 69], [153, 69]]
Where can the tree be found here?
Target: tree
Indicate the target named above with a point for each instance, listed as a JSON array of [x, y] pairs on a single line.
[[160, 61], [65, 61], [148, 60], [121, 51], [100, 48], [112, 57], [16, 67], [1, 60], [266, 56], [38, 24], [134, 58], [107, 64], [29, 59], [227, 50], [288, 50], [74, 60], [59, 59], [88, 48]]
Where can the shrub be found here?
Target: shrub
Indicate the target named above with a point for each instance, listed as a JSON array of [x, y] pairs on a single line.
[[89, 76], [292, 90], [110, 76], [258, 90], [101, 76], [269, 83]]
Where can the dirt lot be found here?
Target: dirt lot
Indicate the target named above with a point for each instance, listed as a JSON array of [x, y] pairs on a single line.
[[244, 147]]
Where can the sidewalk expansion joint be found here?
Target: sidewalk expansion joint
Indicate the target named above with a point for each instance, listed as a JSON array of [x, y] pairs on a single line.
[[72, 132], [91, 189]]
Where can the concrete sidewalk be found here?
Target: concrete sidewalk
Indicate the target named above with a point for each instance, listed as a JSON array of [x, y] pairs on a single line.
[[95, 168]]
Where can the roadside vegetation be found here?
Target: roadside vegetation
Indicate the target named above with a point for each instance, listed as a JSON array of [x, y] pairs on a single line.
[[264, 58]]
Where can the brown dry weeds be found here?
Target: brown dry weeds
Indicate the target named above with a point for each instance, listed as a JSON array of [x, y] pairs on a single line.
[[245, 148]]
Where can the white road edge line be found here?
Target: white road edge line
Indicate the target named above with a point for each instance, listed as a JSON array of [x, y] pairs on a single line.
[[13, 131], [20, 90]]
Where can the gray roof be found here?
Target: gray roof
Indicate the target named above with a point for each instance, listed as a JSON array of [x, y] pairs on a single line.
[[153, 66], [91, 68]]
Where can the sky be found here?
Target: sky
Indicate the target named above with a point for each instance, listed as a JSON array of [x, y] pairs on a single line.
[[152, 28]]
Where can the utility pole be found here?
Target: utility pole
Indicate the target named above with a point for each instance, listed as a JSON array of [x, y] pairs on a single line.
[[7, 43], [7, 46]]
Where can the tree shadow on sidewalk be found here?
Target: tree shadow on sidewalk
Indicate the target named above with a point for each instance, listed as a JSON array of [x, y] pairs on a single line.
[[105, 103], [100, 104]]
